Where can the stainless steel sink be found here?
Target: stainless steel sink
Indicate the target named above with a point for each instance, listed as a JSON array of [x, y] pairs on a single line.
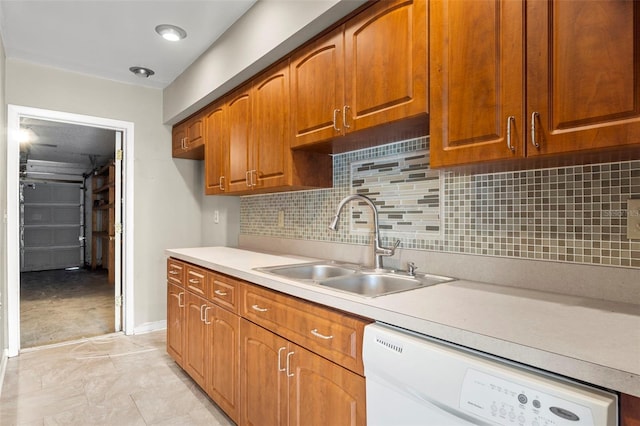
[[378, 284], [352, 279], [311, 271]]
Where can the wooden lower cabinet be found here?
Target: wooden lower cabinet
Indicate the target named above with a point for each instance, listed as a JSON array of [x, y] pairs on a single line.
[[175, 322], [629, 410], [285, 384], [223, 359], [195, 360]]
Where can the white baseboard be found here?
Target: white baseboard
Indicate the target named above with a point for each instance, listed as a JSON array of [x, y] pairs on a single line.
[[3, 367], [150, 326]]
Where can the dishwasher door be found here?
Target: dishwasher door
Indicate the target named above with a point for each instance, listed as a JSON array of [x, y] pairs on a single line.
[[413, 380]]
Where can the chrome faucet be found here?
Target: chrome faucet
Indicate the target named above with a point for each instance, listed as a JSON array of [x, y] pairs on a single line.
[[378, 251]]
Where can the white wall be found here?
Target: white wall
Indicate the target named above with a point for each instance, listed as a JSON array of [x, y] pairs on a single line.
[[167, 206], [267, 32], [3, 204]]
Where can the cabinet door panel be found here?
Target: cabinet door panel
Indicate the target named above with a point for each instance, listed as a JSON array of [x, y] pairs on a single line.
[[239, 125], [317, 89], [271, 132], [178, 135], [223, 380], [386, 64], [175, 322], [342, 400], [476, 71], [215, 154], [195, 132], [583, 74], [263, 387], [196, 342]]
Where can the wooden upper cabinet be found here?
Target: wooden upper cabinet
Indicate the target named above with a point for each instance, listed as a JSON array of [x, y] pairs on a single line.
[[577, 61], [317, 89], [188, 138], [271, 154], [583, 75], [368, 72], [476, 71], [215, 158], [238, 108], [385, 64]]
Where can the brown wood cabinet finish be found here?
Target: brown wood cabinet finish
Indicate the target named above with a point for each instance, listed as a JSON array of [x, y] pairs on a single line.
[[578, 63], [238, 107], [175, 322], [195, 360], [188, 138], [281, 383], [629, 410], [216, 157], [196, 280], [369, 72]]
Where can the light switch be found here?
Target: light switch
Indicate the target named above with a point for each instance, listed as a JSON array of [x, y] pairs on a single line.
[[633, 219]]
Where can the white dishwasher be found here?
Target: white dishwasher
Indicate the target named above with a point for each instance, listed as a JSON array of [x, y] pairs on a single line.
[[413, 380]]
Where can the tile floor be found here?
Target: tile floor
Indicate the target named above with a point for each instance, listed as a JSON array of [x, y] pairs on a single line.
[[107, 380]]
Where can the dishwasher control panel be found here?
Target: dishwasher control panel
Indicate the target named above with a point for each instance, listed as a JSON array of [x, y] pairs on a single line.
[[506, 402]]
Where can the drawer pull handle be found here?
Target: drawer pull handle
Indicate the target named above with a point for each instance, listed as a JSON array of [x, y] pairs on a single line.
[[180, 302], [280, 368], [258, 308], [322, 336], [335, 114], [206, 319], [534, 138], [202, 312], [289, 374], [194, 281], [172, 272], [220, 292]]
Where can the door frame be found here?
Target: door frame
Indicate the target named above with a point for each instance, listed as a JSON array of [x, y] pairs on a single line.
[[14, 113]]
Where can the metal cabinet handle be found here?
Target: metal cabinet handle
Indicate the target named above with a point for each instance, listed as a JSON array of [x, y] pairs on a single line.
[[280, 368], [220, 292], [194, 281], [202, 312], [322, 336], [258, 308], [253, 173], [221, 183], [289, 374], [206, 320], [172, 272], [534, 140], [344, 117], [335, 118], [510, 119], [246, 178], [180, 302]]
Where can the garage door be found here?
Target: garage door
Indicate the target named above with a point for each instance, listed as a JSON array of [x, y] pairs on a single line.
[[51, 226]]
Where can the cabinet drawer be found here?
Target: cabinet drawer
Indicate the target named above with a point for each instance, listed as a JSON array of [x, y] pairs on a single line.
[[175, 272], [332, 334], [196, 280], [223, 291]]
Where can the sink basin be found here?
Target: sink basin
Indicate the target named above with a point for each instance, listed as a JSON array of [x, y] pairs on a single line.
[[352, 279], [311, 271], [378, 284]]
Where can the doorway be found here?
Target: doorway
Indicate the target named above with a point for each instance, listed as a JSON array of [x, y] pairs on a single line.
[[68, 192]]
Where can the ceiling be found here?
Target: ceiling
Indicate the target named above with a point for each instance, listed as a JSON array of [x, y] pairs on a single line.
[[104, 38]]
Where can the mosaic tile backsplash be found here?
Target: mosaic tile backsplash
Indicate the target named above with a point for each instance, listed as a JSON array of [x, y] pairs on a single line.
[[570, 214]]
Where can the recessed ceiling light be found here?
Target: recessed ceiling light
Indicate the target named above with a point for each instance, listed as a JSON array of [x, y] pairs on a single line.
[[142, 72], [171, 32]]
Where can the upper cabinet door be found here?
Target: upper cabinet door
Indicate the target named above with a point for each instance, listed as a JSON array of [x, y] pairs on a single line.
[[385, 64], [583, 75], [317, 90], [476, 71], [215, 158], [271, 131], [239, 142]]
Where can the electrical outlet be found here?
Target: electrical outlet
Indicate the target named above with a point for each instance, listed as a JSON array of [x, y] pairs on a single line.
[[633, 219], [216, 216], [280, 218]]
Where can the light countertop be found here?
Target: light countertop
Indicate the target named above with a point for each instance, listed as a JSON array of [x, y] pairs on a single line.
[[590, 340]]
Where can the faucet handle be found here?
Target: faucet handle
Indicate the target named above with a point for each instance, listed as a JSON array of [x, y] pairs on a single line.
[[411, 268]]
